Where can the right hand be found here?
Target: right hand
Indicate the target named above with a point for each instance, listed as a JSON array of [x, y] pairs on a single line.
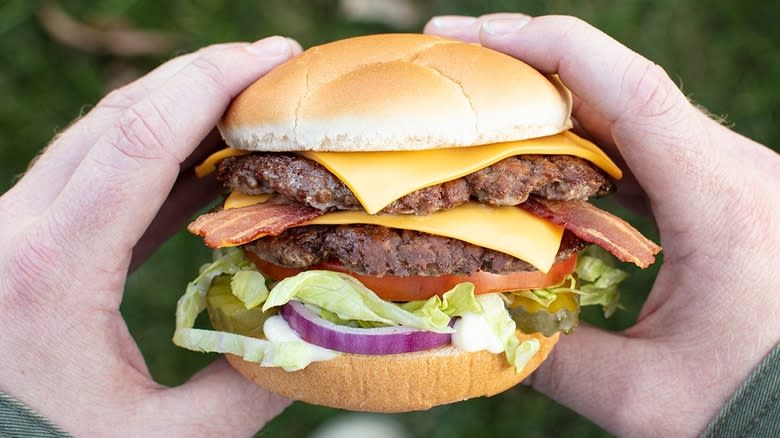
[[712, 314]]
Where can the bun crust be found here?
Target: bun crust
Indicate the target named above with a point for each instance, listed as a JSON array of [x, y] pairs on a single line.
[[396, 383], [395, 92]]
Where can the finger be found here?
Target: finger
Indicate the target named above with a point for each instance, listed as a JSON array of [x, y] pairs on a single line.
[[657, 131], [613, 380], [123, 180], [463, 27], [588, 122], [215, 400], [661, 136], [189, 195], [569, 376], [212, 143], [52, 169], [454, 26]]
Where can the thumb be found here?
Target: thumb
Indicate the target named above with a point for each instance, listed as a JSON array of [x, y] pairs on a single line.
[[662, 137], [576, 366], [218, 401], [616, 381]]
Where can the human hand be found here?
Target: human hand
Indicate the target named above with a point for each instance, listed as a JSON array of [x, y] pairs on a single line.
[[712, 313], [94, 200]]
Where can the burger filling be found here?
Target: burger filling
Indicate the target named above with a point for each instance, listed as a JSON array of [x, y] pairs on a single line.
[[297, 292], [508, 182], [379, 251]]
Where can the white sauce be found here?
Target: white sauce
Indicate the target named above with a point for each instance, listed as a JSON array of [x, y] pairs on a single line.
[[276, 329], [472, 333]]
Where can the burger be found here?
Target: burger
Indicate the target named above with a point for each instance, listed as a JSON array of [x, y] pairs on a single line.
[[405, 225]]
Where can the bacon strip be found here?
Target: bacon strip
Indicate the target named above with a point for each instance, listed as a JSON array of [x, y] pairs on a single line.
[[594, 225], [238, 226]]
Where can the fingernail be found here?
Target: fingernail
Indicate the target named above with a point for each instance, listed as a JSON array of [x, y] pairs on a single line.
[[451, 22], [296, 47], [271, 47], [504, 26]]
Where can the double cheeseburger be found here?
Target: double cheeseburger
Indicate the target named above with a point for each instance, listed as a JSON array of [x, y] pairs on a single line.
[[406, 226]]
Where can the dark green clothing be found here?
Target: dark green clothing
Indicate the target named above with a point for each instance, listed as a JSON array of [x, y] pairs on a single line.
[[19, 421], [753, 411]]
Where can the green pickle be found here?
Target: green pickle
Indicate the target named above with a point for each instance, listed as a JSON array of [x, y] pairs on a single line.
[[228, 314], [562, 315]]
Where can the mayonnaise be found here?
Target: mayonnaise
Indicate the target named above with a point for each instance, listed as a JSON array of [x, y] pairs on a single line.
[[276, 329], [472, 333]]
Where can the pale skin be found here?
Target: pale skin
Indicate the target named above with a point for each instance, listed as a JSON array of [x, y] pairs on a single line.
[[712, 313], [91, 203], [109, 190]]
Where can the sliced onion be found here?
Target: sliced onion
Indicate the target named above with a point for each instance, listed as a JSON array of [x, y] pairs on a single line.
[[382, 340]]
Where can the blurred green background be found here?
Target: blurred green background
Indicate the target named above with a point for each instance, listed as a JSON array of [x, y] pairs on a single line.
[[59, 59]]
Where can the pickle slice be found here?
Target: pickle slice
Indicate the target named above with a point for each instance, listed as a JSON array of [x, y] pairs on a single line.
[[228, 314], [562, 315]]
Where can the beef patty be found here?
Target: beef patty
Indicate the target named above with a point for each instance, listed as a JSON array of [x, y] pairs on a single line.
[[377, 251], [507, 182]]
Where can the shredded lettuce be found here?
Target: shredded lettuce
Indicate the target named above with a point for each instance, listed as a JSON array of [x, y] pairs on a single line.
[[503, 326], [342, 299], [345, 298], [596, 283], [290, 355], [249, 287], [455, 302], [544, 297], [599, 280]]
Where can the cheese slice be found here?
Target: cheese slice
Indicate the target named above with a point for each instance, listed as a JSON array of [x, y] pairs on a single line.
[[379, 178], [209, 165], [507, 229], [238, 200]]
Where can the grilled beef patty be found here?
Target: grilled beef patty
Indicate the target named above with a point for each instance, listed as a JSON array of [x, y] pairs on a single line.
[[377, 251], [508, 182]]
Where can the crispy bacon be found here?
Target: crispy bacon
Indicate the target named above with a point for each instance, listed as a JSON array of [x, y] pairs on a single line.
[[238, 226], [594, 225]]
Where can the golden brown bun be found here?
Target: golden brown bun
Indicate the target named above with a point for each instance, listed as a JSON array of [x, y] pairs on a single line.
[[396, 383], [396, 92]]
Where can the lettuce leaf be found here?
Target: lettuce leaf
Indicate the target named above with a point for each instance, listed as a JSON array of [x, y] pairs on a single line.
[[345, 297], [599, 280], [290, 355], [455, 302], [249, 287], [503, 327]]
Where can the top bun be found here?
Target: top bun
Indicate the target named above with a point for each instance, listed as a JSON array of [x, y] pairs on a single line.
[[395, 92]]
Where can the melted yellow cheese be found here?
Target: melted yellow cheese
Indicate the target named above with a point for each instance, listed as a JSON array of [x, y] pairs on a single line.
[[238, 200], [379, 178], [210, 164], [510, 230], [507, 229]]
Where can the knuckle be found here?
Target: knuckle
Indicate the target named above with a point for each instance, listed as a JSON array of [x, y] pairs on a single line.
[[648, 90], [141, 133], [120, 98], [27, 271], [573, 27], [209, 70]]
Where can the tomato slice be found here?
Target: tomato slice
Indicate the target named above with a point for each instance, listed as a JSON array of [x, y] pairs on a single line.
[[393, 288]]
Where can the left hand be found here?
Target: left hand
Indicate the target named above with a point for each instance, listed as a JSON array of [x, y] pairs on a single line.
[[107, 191]]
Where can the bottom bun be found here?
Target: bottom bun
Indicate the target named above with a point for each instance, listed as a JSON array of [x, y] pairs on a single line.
[[398, 382]]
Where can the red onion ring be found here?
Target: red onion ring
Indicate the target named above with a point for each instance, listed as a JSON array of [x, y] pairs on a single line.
[[376, 341]]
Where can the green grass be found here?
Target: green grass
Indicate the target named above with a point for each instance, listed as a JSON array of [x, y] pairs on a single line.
[[724, 54]]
